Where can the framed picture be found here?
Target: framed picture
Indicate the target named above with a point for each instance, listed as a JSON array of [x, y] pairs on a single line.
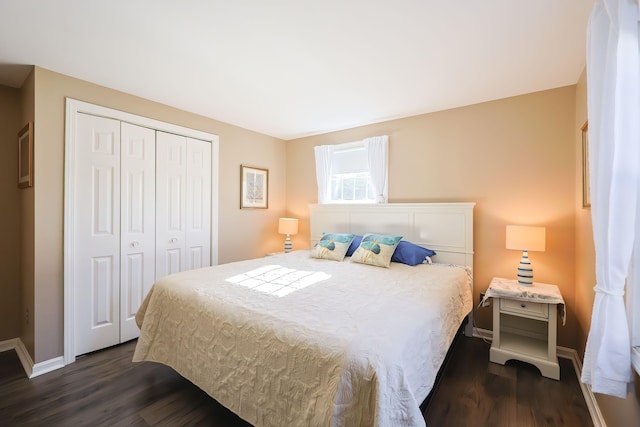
[[586, 188], [25, 156], [254, 187]]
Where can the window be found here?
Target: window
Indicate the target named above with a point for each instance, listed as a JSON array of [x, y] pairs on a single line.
[[351, 187], [350, 178], [355, 172]]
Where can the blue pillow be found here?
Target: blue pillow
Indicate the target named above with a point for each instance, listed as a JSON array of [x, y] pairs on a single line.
[[410, 253], [354, 245]]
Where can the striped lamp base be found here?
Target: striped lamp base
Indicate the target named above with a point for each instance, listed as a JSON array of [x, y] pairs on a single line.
[[525, 271], [287, 244]]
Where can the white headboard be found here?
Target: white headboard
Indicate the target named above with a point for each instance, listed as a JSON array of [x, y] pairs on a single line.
[[447, 228]]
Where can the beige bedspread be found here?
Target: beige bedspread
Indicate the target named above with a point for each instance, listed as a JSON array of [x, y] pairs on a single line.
[[289, 340]]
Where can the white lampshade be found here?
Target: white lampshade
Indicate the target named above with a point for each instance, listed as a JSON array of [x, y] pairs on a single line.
[[526, 239], [288, 226]]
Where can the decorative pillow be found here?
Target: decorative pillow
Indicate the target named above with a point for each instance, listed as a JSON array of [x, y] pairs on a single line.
[[376, 249], [332, 246], [410, 253], [354, 245]]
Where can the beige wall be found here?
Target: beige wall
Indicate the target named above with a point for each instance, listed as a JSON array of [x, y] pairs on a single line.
[[585, 253], [514, 157], [10, 124], [242, 233], [27, 237]]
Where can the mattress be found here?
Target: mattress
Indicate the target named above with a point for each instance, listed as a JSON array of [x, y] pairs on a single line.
[[291, 340]]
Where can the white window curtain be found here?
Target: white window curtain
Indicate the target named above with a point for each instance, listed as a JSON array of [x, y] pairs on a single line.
[[613, 87], [323, 171], [378, 158]]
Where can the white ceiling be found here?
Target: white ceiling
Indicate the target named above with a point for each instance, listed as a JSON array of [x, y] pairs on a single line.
[[292, 68]]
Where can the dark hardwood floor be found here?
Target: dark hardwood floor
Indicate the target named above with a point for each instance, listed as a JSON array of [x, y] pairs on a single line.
[[475, 392], [105, 389]]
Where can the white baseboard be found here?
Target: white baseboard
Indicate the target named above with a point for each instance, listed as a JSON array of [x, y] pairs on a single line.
[[8, 345], [571, 354], [47, 366], [485, 334], [25, 358], [32, 370], [589, 398]]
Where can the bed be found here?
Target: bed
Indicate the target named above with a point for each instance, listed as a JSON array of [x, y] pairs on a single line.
[[294, 340]]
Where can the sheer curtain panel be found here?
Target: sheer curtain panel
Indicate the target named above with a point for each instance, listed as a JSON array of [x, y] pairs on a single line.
[[323, 171], [378, 158], [613, 74]]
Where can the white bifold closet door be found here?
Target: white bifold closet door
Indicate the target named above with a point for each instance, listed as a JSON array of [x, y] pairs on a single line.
[[115, 231], [97, 249], [143, 210], [137, 225], [183, 214]]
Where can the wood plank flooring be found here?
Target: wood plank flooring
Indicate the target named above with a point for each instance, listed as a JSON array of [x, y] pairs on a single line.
[[475, 392], [106, 389]]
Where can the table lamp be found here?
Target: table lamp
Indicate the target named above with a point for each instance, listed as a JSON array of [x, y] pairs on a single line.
[[288, 226], [526, 239]]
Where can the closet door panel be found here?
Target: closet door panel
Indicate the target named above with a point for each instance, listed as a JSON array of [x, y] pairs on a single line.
[[198, 210], [171, 163], [137, 266], [97, 234]]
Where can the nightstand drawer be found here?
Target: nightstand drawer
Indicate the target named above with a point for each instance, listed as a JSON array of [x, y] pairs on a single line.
[[524, 308]]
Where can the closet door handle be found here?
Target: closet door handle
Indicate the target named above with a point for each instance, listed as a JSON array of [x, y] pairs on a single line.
[[134, 244], [173, 241]]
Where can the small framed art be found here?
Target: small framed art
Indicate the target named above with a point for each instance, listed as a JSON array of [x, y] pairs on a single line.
[[254, 187], [25, 156]]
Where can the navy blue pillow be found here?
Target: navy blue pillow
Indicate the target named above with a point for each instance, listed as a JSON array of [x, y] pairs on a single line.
[[410, 253], [354, 245]]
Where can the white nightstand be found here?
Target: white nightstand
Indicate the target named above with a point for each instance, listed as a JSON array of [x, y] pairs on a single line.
[[525, 325]]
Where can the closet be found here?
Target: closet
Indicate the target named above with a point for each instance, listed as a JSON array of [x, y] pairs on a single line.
[[140, 209]]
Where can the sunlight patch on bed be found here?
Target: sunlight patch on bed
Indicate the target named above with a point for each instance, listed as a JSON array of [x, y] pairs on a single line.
[[277, 280]]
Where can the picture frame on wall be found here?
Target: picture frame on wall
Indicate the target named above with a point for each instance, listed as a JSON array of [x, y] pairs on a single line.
[[25, 156], [254, 187], [586, 188]]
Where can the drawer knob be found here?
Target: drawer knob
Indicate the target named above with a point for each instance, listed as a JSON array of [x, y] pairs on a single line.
[[523, 305]]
